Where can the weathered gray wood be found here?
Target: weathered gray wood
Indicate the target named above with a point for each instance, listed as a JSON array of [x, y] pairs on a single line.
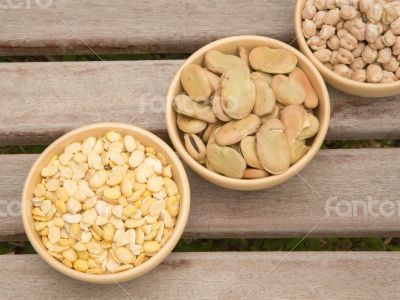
[[125, 26], [221, 275], [41, 101], [289, 210]]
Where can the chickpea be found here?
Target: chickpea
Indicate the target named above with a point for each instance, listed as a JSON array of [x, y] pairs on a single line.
[[389, 14], [385, 27], [323, 55], [309, 10], [346, 40], [381, 28], [341, 3], [395, 26], [319, 18], [309, 28], [359, 50], [369, 55], [371, 33], [359, 75], [348, 24], [330, 4], [334, 58], [392, 65], [339, 25], [348, 12], [365, 5], [396, 46], [388, 77], [374, 14], [358, 29], [333, 43], [345, 56], [316, 43], [343, 70], [378, 44], [389, 38], [320, 4], [384, 56], [342, 33], [357, 64], [332, 17], [398, 73], [327, 31], [374, 73]]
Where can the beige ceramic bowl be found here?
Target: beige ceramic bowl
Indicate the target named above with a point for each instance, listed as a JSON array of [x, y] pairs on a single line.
[[349, 86], [230, 46], [98, 130]]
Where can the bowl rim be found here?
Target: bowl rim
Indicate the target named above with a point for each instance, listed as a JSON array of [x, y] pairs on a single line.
[[326, 72], [132, 273], [246, 184]]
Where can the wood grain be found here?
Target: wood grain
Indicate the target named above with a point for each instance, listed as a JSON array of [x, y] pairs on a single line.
[[343, 177], [41, 101], [218, 275], [123, 26]]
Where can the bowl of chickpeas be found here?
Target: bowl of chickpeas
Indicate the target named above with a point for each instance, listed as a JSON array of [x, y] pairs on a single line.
[[354, 44], [106, 203]]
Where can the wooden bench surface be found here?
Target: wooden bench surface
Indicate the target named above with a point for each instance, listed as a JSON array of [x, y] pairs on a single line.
[[288, 210], [41, 101], [222, 275], [49, 99], [124, 26]]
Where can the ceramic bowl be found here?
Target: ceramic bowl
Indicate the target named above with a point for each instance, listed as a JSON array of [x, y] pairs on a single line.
[[230, 46], [362, 89], [97, 130]]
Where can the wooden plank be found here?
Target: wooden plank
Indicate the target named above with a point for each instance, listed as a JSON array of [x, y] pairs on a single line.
[[41, 101], [123, 26], [334, 179], [49, 99], [219, 275]]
